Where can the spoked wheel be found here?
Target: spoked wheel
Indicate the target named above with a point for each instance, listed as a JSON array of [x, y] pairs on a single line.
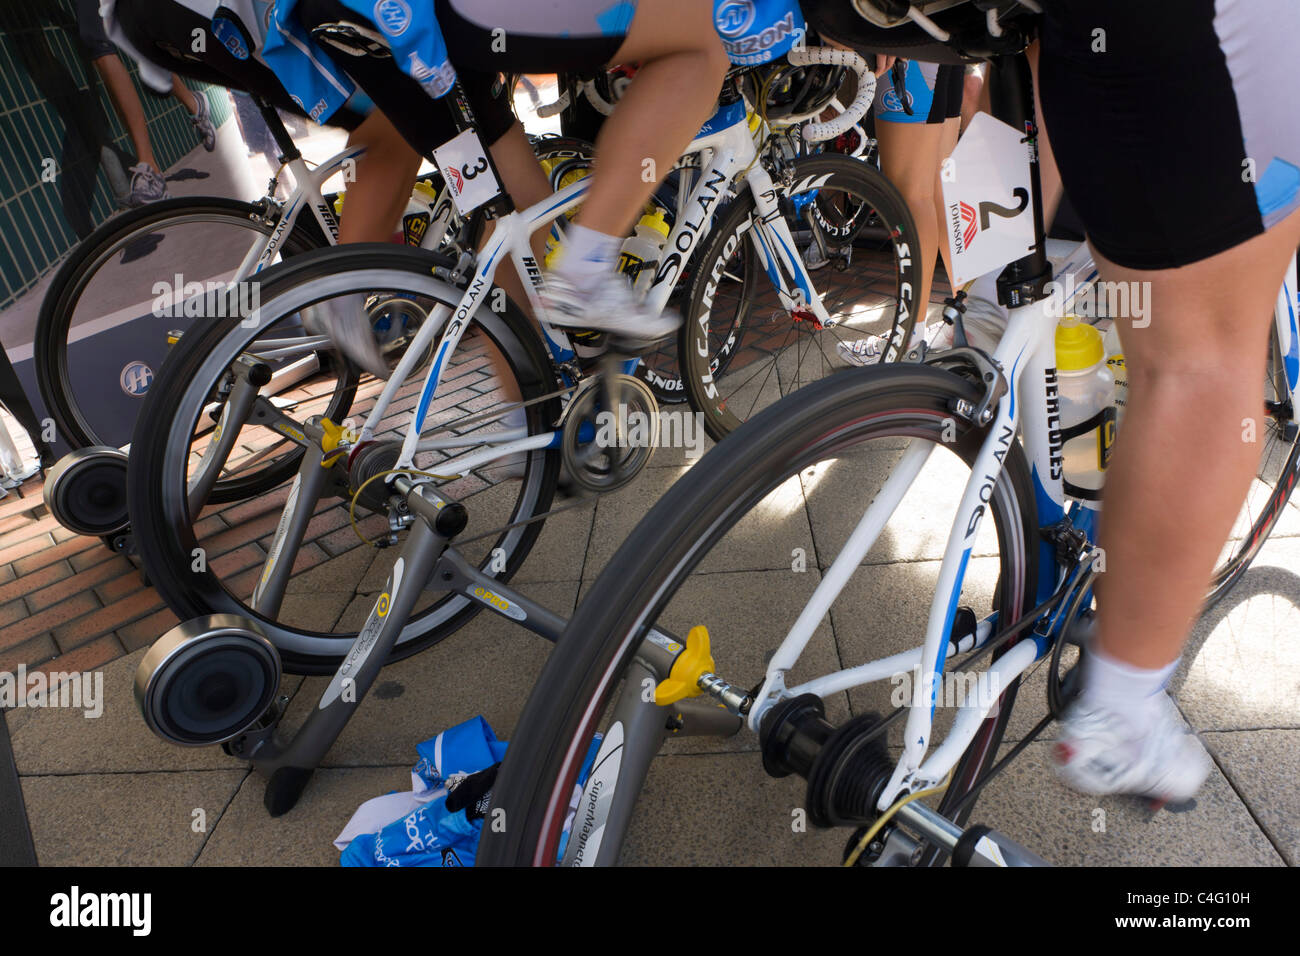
[[1269, 499], [111, 280], [740, 544], [218, 403], [741, 348]]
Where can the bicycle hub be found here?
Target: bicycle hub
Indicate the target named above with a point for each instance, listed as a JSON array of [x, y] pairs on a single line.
[[847, 768]]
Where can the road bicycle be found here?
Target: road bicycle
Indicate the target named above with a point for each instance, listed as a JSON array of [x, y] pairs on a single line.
[[499, 408], [881, 680], [86, 345]]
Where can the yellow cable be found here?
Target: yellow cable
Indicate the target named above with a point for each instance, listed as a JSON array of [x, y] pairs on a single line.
[[885, 817], [352, 505]]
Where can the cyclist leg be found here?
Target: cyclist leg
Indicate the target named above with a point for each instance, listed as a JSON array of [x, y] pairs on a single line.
[[681, 66], [913, 146], [1207, 247], [385, 176]]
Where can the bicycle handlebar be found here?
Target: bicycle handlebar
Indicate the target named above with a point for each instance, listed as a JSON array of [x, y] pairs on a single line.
[[830, 56]]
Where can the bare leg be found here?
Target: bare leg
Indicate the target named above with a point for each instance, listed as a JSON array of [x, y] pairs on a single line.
[[184, 94], [672, 94], [1182, 463], [122, 92], [385, 176], [1048, 175], [909, 158], [947, 143]]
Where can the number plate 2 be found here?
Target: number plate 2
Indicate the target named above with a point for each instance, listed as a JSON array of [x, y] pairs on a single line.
[[464, 165]]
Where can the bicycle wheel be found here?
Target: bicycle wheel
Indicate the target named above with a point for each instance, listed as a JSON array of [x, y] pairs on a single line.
[[109, 283], [1275, 480], [336, 575], [811, 463], [740, 349]]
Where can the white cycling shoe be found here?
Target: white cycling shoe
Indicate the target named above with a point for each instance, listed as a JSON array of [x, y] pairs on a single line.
[[1100, 752], [608, 306], [867, 351], [346, 323]]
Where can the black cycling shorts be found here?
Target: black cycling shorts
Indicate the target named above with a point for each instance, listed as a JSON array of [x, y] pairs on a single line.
[[164, 33], [483, 37], [90, 30], [1173, 122]]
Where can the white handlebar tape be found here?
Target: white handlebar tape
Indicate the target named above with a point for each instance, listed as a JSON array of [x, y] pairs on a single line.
[[830, 56]]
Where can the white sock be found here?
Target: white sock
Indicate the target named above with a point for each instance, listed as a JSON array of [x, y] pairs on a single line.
[[587, 255], [1122, 688]]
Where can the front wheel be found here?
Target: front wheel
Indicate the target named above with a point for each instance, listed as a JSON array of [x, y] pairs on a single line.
[[740, 348], [739, 544]]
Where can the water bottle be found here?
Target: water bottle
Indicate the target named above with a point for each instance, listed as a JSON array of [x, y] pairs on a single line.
[[641, 250], [415, 217], [1115, 359], [1087, 396]]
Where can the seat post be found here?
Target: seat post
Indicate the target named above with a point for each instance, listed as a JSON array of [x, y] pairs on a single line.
[[1011, 98]]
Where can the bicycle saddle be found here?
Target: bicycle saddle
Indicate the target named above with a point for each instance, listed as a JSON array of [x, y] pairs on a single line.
[[886, 27]]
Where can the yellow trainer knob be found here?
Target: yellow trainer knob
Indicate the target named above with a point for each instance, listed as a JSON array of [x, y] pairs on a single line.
[[683, 679]]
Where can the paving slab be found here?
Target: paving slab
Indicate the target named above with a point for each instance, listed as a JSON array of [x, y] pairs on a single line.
[[248, 836], [1263, 766], [487, 668], [1028, 804], [722, 809], [126, 819]]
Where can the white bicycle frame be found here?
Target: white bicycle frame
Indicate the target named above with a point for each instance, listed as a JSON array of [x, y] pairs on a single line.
[[306, 194], [729, 140], [1027, 356]]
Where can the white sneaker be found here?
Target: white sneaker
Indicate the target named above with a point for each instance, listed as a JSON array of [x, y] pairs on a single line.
[[609, 306], [345, 321], [867, 351], [147, 185], [1100, 752]]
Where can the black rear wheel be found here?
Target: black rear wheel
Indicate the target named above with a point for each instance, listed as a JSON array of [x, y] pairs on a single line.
[[111, 280], [806, 463]]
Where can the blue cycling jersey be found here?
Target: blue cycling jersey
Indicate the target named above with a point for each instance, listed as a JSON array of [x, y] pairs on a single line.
[[318, 86], [755, 32]]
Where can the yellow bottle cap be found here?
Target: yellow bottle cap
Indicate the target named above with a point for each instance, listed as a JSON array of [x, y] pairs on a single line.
[[1078, 346], [426, 189], [338, 205], [657, 222]]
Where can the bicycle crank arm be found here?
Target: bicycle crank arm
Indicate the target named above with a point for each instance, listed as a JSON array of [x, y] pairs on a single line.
[[289, 768]]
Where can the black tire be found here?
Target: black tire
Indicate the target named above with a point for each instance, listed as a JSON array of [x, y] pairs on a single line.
[[583, 671], [1280, 465], [715, 341], [164, 533], [53, 375]]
